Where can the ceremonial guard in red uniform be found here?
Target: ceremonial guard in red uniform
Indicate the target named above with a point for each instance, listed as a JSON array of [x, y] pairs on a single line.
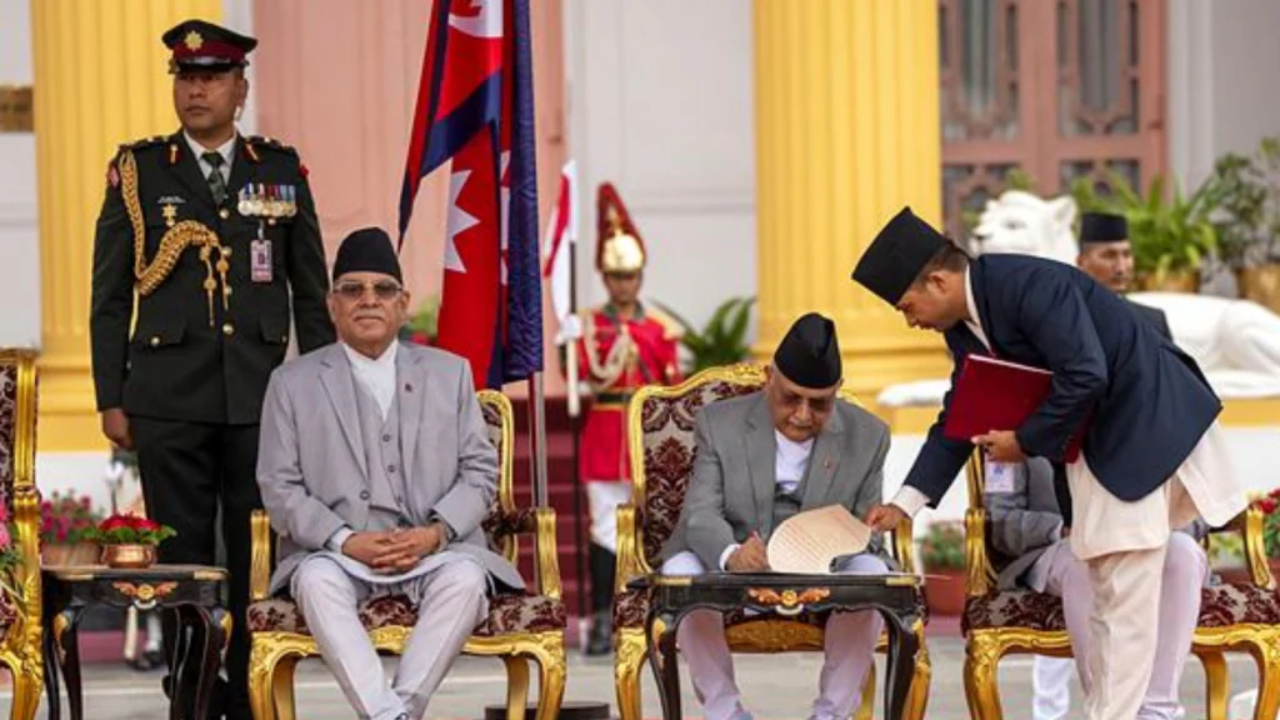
[[625, 345]]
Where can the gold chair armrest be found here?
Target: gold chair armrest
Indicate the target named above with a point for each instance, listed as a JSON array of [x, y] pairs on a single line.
[[547, 557], [977, 566], [260, 556], [904, 545], [1249, 524], [630, 563]]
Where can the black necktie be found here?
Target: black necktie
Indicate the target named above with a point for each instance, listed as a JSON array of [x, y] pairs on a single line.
[[217, 185]]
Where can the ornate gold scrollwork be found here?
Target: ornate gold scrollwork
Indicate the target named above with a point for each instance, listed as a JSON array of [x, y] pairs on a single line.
[[788, 602]]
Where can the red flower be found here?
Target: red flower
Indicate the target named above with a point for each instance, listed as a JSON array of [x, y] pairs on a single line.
[[143, 524], [115, 522], [1267, 505]]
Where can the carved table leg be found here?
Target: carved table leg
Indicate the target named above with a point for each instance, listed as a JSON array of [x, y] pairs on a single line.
[[51, 667], [68, 621], [206, 656], [899, 664], [663, 660]]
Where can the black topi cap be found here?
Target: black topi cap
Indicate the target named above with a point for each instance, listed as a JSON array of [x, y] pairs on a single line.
[[1103, 228], [809, 355], [897, 255], [367, 250]]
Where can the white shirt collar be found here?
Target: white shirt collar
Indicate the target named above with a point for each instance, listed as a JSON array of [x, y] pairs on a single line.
[[376, 375], [225, 150], [791, 460], [975, 320]]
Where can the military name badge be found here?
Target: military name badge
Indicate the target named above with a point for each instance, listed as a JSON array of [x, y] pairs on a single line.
[[260, 261]]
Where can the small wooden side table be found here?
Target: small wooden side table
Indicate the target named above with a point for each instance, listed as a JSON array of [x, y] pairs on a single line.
[[191, 592]]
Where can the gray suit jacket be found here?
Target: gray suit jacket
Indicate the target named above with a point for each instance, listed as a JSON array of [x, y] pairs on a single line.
[[311, 461], [1025, 522], [732, 489]]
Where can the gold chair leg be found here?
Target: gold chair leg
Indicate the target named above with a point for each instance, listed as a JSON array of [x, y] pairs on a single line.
[[866, 706], [918, 695], [553, 666], [517, 686], [629, 654], [982, 655], [27, 688], [1266, 652], [1217, 684], [282, 687], [262, 663]]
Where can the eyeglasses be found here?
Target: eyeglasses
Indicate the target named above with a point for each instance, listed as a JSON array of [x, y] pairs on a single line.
[[354, 291], [817, 405]]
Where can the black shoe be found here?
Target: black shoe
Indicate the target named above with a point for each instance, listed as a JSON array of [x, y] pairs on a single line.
[[600, 641]]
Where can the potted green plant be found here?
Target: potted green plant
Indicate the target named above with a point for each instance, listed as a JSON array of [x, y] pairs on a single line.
[[943, 554], [1171, 238], [129, 541], [66, 520], [723, 340], [1248, 220]]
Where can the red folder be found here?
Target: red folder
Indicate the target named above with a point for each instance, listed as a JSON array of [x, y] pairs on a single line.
[[993, 394]]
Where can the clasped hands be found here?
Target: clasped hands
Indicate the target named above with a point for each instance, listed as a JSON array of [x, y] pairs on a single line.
[[392, 552]]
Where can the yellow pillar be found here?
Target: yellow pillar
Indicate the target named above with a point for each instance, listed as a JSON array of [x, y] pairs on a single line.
[[847, 132], [100, 80]]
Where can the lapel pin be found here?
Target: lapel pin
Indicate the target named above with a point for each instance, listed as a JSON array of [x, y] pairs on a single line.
[[408, 387]]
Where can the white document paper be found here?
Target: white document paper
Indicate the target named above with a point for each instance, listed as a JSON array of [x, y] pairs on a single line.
[[808, 542]]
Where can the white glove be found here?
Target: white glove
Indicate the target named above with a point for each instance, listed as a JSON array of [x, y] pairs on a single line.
[[570, 330]]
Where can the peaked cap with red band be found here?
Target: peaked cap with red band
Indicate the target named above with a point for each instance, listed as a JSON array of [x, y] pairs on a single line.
[[198, 45], [619, 247]]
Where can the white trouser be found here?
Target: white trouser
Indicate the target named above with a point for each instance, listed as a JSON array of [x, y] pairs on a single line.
[[1124, 544], [849, 644], [1051, 685], [454, 602], [603, 499], [1178, 579]]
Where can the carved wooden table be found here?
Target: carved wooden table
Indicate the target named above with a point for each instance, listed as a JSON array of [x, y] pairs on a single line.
[[895, 596], [192, 593]]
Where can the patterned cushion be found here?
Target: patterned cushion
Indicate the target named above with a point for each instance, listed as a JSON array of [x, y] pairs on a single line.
[[8, 613], [1220, 606], [510, 613], [8, 430], [668, 424]]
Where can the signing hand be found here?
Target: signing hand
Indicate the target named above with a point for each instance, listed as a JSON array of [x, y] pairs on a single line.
[[750, 557], [885, 518], [1001, 446]]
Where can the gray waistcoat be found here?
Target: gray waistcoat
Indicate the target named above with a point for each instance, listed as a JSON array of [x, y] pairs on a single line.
[[381, 439]]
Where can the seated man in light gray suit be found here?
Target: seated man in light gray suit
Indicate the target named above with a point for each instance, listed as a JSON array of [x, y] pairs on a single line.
[[377, 471], [762, 458], [1027, 528]]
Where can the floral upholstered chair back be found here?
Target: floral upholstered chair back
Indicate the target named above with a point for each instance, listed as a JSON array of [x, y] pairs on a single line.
[[662, 452], [19, 617], [499, 420]]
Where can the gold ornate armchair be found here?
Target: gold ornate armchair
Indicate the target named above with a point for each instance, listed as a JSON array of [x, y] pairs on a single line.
[[1234, 617], [661, 437], [20, 634], [520, 627]]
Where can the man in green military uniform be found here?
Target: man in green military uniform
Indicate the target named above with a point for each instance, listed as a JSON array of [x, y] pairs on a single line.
[[215, 235]]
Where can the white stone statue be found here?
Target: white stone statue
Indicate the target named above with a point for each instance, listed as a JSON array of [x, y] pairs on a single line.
[[1235, 342]]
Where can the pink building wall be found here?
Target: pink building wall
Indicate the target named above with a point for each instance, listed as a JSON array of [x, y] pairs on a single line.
[[338, 79]]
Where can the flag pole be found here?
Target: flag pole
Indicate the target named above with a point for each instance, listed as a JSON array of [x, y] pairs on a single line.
[[538, 440], [575, 413]]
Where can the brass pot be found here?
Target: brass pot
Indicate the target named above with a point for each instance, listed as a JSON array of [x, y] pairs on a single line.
[[1262, 285], [1182, 281], [132, 557]]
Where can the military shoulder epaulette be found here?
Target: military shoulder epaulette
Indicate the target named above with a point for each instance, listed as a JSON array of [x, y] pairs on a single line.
[[144, 143], [259, 141]]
